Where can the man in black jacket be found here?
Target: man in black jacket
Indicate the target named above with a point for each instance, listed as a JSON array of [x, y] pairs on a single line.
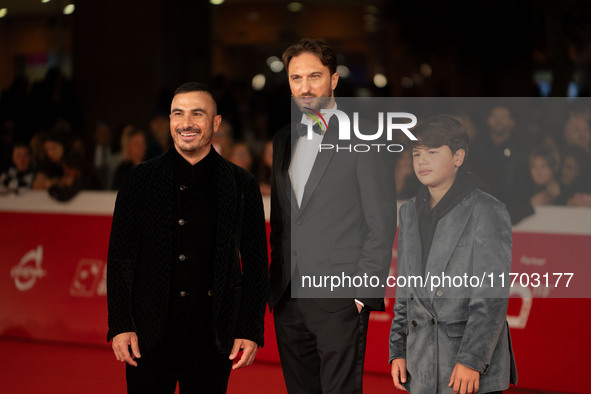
[[187, 266], [332, 214]]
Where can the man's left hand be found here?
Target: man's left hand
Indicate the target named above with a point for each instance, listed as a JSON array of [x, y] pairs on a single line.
[[464, 380], [249, 351]]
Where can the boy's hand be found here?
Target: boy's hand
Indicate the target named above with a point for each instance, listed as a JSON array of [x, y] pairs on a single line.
[[399, 372], [464, 380]]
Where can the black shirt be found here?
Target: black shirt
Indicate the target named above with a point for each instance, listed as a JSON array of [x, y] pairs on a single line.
[[194, 232]]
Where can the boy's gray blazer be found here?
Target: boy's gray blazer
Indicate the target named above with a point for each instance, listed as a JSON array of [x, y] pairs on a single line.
[[464, 325]]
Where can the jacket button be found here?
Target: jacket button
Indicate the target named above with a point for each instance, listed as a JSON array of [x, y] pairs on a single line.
[[433, 321], [210, 293], [439, 293], [414, 323], [182, 257], [182, 222], [183, 294], [183, 188]]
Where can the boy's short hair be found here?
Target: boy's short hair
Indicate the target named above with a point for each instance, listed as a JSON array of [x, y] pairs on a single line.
[[441, 130]]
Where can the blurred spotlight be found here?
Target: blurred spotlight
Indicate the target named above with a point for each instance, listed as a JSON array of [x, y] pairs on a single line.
[[276, 66], [3, 12], [406, 83], [69, 9], [295, 6], [258, 82], [271, 59], [369, 18], [216, 2], [343, 71], [426, 70], [418, 79], [45, 1], [380, 80]]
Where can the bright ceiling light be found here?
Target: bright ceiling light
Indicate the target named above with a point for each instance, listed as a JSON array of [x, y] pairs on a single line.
[[343, 71], [258, 82], [3, 12], [216, 2], [380, 80], [69, 9]]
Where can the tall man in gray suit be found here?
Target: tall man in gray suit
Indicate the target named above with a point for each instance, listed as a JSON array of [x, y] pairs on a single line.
[[331, 213]]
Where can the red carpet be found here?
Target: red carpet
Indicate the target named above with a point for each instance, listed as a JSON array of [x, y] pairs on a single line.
[[49, 368]]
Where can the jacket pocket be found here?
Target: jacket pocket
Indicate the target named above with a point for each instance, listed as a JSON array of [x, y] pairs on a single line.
[[456, 329]]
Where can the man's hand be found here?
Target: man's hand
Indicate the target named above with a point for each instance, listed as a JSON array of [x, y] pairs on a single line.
[[121, 344], [399, 373], [249, 351], [464, 380]]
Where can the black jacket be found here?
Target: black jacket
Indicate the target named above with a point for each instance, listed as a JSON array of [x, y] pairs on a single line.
[[140, 255]]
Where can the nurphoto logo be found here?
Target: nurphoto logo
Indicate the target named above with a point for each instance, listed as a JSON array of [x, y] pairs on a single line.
[[390, 121]]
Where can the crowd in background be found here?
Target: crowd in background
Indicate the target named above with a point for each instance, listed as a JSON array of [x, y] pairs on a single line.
[[44, 147]]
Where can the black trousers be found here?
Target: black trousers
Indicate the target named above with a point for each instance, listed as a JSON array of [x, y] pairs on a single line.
[[320, 351], [186, 355]]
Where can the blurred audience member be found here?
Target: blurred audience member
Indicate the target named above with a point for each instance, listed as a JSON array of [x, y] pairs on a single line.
[[20, 175], [77, 176], [577, 132], [241, 156], [159, 140], [497, 158], [224, 138], [265, 167], [134, 154], [540, 188], [37, 150], [51, 168], [575, 177], [102, 149]]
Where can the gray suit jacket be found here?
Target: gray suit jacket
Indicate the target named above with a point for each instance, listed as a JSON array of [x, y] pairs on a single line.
[[346, 222], [436, 327]]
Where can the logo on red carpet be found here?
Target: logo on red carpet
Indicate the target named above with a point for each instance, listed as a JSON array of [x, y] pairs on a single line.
[[28, 270], [89, 278]]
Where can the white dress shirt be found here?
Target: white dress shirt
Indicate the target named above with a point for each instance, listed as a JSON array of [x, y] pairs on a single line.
[[303, 158]]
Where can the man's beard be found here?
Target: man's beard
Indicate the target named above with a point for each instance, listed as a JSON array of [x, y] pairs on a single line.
[[320, 102]]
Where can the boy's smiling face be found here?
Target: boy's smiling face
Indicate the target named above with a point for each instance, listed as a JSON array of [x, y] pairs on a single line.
[[436, 168]]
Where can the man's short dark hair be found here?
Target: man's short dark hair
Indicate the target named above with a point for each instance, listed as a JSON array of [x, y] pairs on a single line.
[[189, 87], [316, 47], [441, 130]]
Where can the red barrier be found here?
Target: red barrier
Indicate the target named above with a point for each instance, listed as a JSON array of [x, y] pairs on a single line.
[[52, 287]]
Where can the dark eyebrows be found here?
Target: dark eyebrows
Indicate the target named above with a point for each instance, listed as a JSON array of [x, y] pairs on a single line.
[[203, 110], [310, 74]]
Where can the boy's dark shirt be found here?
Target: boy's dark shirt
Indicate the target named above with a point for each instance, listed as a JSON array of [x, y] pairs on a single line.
[[466, 181]]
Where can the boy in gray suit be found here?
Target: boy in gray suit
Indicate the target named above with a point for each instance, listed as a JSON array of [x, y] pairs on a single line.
[[450, 333]]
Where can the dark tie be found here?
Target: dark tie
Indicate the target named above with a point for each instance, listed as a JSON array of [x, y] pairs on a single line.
[[302, 129]]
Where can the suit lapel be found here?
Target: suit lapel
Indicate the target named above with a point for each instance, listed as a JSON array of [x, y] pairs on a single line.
[[321, 163], [413, 248], [447, 234]]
